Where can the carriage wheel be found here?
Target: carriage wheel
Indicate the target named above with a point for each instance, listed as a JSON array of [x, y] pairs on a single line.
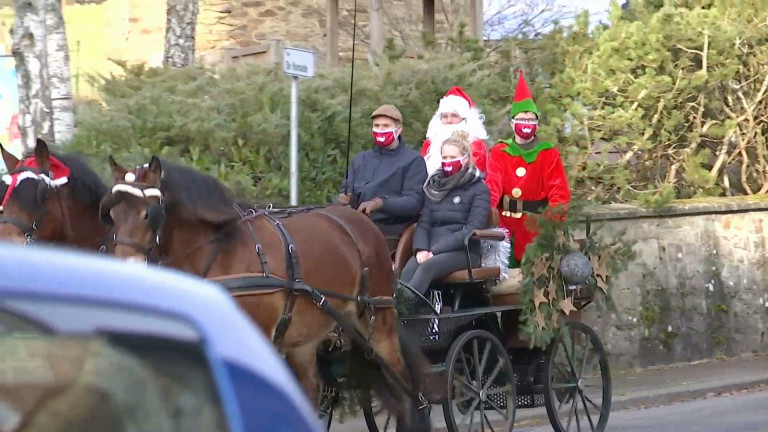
[[577, 388], [372, 412], [481, 385]]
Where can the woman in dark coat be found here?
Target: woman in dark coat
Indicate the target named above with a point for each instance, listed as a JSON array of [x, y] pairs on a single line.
[[457, 203]]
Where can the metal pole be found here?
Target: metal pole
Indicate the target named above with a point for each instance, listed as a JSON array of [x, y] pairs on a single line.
[[294, 141]]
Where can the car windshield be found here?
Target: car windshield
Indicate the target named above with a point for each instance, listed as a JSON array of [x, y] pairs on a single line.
[[101, 377]]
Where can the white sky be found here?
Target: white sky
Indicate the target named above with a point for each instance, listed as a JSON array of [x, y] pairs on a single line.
[[598, 8]]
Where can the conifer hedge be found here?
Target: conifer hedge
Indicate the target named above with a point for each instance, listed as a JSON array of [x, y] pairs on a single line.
[[681, 93]]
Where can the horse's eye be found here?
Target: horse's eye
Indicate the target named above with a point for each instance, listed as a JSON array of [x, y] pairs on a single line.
[[144, 214]]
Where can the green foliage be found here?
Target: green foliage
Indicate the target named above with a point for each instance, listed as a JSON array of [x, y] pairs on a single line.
[[674, 88], [234, 123], [678, 89], [540, 323]]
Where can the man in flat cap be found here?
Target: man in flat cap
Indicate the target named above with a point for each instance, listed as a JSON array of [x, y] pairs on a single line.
[[385, 182]]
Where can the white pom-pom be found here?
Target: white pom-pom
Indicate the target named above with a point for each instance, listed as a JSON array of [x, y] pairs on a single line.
[[130, 177]]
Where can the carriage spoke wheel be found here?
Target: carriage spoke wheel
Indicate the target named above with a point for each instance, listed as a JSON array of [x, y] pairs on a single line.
[[481, 385], [577, 389], [376, 417]]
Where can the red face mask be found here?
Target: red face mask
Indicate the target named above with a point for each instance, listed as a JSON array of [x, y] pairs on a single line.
[[451, 167], [384, 138], [525, 131]]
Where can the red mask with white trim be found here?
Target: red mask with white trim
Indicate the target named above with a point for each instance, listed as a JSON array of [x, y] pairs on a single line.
[[452, 166], [384, 138], [525, 129]]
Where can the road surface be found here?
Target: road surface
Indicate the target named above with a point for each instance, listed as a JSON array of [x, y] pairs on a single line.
[[739, 412], [742, 412]]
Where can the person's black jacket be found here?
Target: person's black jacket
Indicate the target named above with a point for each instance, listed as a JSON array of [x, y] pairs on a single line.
[[445, 224], [397, 177]]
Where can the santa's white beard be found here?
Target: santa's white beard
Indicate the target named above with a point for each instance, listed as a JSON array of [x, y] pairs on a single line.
[[438, 134]]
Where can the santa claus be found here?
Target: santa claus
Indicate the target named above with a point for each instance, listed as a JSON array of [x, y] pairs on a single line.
[[455, 112]]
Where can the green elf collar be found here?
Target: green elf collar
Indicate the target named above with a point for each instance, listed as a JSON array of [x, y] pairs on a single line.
[[528, 155]]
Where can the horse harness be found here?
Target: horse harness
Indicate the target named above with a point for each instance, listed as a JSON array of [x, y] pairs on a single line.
[[29, 230], [294, 286]]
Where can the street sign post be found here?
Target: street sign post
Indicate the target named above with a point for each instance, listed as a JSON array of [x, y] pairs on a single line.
[[297, 63]]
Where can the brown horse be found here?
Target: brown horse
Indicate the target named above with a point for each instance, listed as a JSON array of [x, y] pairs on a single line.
[[181, 218], [53, 198]]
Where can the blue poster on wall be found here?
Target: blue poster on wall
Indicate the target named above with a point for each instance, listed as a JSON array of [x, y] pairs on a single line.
[[10, 137]]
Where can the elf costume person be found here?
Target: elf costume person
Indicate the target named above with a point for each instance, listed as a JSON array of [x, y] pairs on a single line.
[[525, 174], [455, 112]]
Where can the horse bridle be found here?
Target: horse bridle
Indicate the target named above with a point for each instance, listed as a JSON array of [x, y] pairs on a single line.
[[43, 192], [155, 219]]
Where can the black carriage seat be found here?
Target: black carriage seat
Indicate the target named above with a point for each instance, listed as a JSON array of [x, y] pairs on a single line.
[[404, 252]]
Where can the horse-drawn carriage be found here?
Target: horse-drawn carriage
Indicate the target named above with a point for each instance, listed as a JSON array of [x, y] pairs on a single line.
[[302, 274], [480, 370]]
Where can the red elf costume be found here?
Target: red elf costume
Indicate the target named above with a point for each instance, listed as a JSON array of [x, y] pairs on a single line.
[[458, 102], [524, 177]]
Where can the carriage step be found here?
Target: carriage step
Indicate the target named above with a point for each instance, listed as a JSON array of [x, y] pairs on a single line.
[[530, 400]]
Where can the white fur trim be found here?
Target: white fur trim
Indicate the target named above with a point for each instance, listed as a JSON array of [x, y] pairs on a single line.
[[455, 104], [141, 193], [8, 179]]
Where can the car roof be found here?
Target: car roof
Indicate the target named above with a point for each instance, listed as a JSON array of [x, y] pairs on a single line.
[[69, 274]]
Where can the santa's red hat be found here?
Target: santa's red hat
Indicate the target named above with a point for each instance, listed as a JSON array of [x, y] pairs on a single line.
[[459, 102], [456, 101]]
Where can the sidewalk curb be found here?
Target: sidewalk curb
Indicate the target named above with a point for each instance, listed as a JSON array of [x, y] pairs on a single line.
[[693, 391], [655, 398]]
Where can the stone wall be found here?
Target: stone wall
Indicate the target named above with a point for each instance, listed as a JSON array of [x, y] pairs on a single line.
[[697, 288], [301, 23]]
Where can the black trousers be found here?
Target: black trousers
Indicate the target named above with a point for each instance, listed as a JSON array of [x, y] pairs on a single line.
[[420, 276]]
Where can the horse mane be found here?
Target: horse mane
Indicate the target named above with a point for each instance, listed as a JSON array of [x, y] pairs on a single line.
[[86, 186], [196, 196]]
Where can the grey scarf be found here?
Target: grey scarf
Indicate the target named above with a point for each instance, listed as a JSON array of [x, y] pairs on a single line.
[[438, 185]]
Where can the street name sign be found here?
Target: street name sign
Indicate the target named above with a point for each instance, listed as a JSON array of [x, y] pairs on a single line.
[[299, 62]]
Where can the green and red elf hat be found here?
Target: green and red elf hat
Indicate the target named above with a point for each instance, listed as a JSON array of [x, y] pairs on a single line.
[[523, 102]]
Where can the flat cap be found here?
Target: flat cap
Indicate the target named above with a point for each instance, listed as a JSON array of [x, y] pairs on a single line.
[[390, 111]]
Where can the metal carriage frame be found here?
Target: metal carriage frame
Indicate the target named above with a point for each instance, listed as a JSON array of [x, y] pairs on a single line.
[[473, 330]]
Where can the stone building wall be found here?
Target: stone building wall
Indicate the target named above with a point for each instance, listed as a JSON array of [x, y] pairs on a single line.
[[698, 287], [301, 23]]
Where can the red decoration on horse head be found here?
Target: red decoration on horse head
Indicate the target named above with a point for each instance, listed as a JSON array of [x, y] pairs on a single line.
[[57, 172]]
